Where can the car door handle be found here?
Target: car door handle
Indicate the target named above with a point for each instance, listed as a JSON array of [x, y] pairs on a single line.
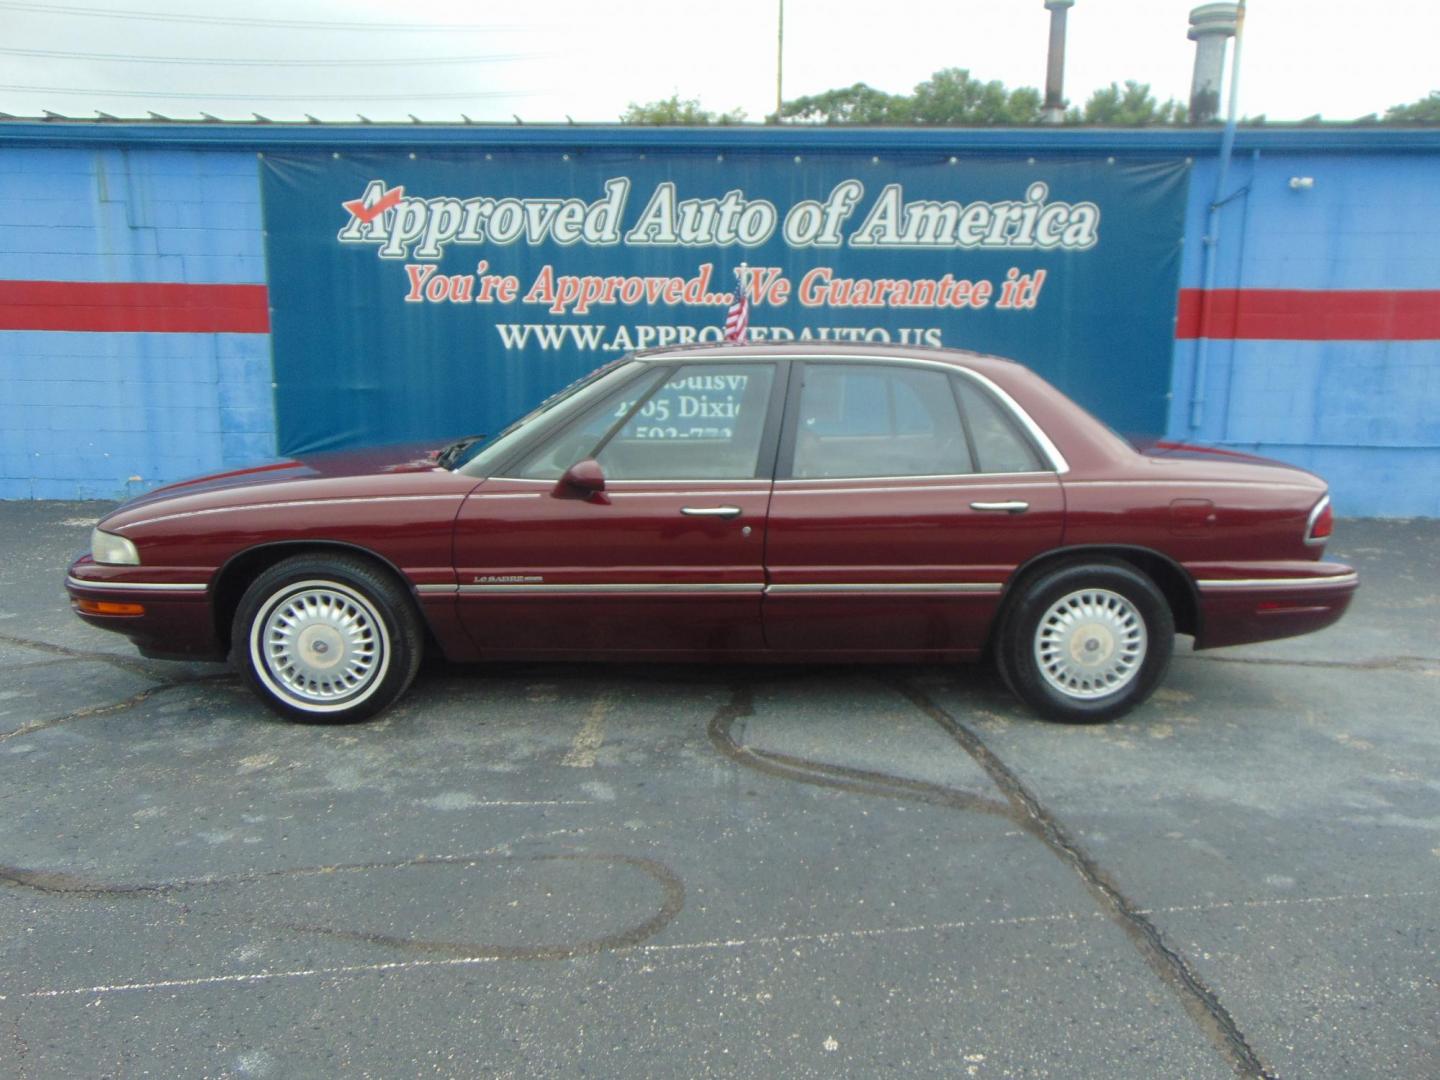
[[1000, 507], [711, 511]]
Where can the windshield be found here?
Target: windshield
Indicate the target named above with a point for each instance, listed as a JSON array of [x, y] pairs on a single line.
[[490, 448]]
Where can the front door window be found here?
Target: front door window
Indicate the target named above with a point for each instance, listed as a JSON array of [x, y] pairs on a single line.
[[698, 422]]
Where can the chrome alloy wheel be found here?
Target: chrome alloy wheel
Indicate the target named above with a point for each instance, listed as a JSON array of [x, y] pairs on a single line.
[[1090, 643], [320, 645]]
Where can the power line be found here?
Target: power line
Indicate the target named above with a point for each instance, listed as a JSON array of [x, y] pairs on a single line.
[[358, 96], [222, 20], [256, 62]]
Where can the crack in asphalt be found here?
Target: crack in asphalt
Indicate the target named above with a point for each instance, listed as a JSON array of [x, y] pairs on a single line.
[[21, 1047], [672, 902], [134, 665], [62, 654], [112, 707], [87, 711], [1021, 806], [31, 665], [1202, 1003], [1025, 810]]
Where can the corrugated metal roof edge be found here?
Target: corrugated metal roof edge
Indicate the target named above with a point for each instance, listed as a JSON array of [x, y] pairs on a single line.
[[784, 139]]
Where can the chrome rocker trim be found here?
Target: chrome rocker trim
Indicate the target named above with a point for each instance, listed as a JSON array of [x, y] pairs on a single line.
[[883, 588], [878, 588], [611, 588]]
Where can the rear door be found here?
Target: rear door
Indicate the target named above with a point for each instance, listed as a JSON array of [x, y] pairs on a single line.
[[667, 559], [905, 497]]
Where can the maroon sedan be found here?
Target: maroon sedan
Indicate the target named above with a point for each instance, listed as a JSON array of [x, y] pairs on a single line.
[[757, 502]]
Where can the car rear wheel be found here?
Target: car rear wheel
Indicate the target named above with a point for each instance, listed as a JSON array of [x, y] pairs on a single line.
[[1086, 642], [326, 638]]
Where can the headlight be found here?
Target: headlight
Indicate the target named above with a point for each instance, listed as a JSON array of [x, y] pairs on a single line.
[[112, 550]]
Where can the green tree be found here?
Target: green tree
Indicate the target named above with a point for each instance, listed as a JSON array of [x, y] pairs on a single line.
[[951, 96], [858, 104], [1133, 106], [1425, 112], [948, 98], [675, 111]]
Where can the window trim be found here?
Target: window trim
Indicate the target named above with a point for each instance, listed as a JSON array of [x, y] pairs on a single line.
[[786, 389]]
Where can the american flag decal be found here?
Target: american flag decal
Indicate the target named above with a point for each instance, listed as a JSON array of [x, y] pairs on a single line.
[[737, 319]]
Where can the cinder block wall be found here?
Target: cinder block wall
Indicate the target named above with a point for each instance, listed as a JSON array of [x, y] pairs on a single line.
[[91, 407], [1323, 366], [1319, 360]]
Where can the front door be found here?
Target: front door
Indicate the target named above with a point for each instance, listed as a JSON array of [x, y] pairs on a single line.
[[906, 496], [668, 559]]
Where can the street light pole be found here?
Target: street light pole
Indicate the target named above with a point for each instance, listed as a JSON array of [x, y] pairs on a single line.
[[780, 63]]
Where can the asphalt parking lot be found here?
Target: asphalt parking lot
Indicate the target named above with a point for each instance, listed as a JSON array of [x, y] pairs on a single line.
[[727, 871]]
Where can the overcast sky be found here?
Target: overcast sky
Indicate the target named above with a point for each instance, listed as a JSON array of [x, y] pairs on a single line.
[[547, 60]]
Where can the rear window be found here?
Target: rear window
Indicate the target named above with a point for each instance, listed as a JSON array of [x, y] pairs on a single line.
[[1000, 445]]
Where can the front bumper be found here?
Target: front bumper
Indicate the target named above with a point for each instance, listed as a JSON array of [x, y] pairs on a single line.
[[175, 618]]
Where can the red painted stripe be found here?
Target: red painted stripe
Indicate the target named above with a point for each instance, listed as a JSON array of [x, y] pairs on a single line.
[[1310, 314], [115, 306]]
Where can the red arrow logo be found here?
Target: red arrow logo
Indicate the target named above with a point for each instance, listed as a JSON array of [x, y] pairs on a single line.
[[365, 213]]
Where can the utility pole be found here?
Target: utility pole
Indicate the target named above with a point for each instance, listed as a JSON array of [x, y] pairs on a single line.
[[780, 63]]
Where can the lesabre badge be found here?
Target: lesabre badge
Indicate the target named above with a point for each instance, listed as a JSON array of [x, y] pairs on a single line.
[[737, 319]]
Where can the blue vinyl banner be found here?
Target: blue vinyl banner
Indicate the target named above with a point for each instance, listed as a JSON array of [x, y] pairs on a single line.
[[421, 296]]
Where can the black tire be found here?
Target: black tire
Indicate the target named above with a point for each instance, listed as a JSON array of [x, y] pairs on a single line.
[[997, 655], [326, 639], [1085, 643]]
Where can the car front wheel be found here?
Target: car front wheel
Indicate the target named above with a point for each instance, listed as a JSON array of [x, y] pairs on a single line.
[[1087, 642], [326, 638]]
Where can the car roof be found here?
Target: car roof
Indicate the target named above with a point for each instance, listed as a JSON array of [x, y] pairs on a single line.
[[830, 350]]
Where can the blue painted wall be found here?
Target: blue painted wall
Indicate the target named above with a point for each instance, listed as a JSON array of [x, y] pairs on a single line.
[[103, 415], [1363, 414], [83, 414]]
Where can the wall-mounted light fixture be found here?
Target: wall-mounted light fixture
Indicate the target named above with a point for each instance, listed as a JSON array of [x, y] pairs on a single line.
[[1302, 183]]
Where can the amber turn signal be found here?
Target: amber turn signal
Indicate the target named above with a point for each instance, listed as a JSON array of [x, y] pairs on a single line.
[[108, 607]]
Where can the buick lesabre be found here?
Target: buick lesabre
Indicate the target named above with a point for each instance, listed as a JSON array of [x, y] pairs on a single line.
[[800, 502]]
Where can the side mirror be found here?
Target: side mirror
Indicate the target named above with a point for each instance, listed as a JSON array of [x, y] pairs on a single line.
[[584, 478]]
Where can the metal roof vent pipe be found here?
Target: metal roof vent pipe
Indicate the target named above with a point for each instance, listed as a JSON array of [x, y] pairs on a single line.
[[1211, 26], [1054, 108]]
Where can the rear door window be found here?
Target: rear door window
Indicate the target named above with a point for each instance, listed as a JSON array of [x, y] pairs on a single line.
[[858, 420]]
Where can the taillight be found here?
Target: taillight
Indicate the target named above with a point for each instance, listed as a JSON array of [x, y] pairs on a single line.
[[1322, 522]]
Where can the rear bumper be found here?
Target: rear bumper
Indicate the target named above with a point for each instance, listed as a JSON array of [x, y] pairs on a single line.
[[1282, 602], [175, 621]]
